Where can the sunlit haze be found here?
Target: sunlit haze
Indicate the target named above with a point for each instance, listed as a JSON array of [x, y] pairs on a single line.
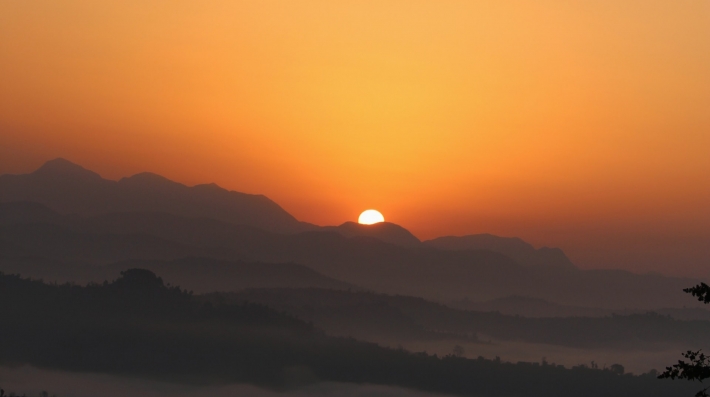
[[583, 125]]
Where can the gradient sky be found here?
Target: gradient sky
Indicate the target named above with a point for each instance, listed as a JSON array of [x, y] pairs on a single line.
[[578, 124]]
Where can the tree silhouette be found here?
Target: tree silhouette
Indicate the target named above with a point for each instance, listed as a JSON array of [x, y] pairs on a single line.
[[698, 365], [617, 369]]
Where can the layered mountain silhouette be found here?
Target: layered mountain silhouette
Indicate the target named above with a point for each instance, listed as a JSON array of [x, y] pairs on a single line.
[[69, 188], [512, 247], [32, 233], [540, 308], [65, 214], [377, 317], [63, 223]]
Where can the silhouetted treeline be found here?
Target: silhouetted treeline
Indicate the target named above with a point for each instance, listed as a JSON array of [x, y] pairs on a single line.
[[697, 368], [196, 273], [138, 326], [13, 394]]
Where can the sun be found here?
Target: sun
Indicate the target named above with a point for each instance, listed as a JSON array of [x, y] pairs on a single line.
[[369, 217]]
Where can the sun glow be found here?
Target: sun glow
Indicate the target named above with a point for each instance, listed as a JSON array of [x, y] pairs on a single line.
[[370, 217]]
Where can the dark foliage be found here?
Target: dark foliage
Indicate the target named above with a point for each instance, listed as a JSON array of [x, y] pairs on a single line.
[[697, 368], [700, 291]]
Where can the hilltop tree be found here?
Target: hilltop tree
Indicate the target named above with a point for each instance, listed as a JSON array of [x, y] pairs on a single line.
[[698, 365]]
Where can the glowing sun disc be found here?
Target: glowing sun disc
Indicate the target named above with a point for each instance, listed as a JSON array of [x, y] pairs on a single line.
[[369, 217]]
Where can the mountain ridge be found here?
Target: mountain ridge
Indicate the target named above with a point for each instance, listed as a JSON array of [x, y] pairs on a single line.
[[70, 188], [513, 247], [369, 263], [385, 231]]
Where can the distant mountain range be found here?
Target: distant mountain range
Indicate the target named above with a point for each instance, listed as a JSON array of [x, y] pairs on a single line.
[[513, 247], [30, 232], [63, 213], [540, 308], [69, 188]]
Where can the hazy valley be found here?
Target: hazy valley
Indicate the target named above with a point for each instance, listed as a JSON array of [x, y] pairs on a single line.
[[248, 263]]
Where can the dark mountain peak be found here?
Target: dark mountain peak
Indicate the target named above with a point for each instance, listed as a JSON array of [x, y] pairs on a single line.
[[385, 231], [148, 179], [68, 188], [61, 168], [59, 184]]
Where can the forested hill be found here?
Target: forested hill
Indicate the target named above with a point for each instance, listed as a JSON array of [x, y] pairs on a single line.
[[138, 326]]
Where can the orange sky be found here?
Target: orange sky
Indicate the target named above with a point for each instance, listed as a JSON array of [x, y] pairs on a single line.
[[579, 124]]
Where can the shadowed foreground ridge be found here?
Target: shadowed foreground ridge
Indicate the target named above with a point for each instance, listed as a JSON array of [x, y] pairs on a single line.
[[136, 325]]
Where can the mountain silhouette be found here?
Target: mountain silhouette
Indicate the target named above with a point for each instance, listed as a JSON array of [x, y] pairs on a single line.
[[80, 218], [61, 168], [385, 231], [441, 275], [69, 188], [513, 247]]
